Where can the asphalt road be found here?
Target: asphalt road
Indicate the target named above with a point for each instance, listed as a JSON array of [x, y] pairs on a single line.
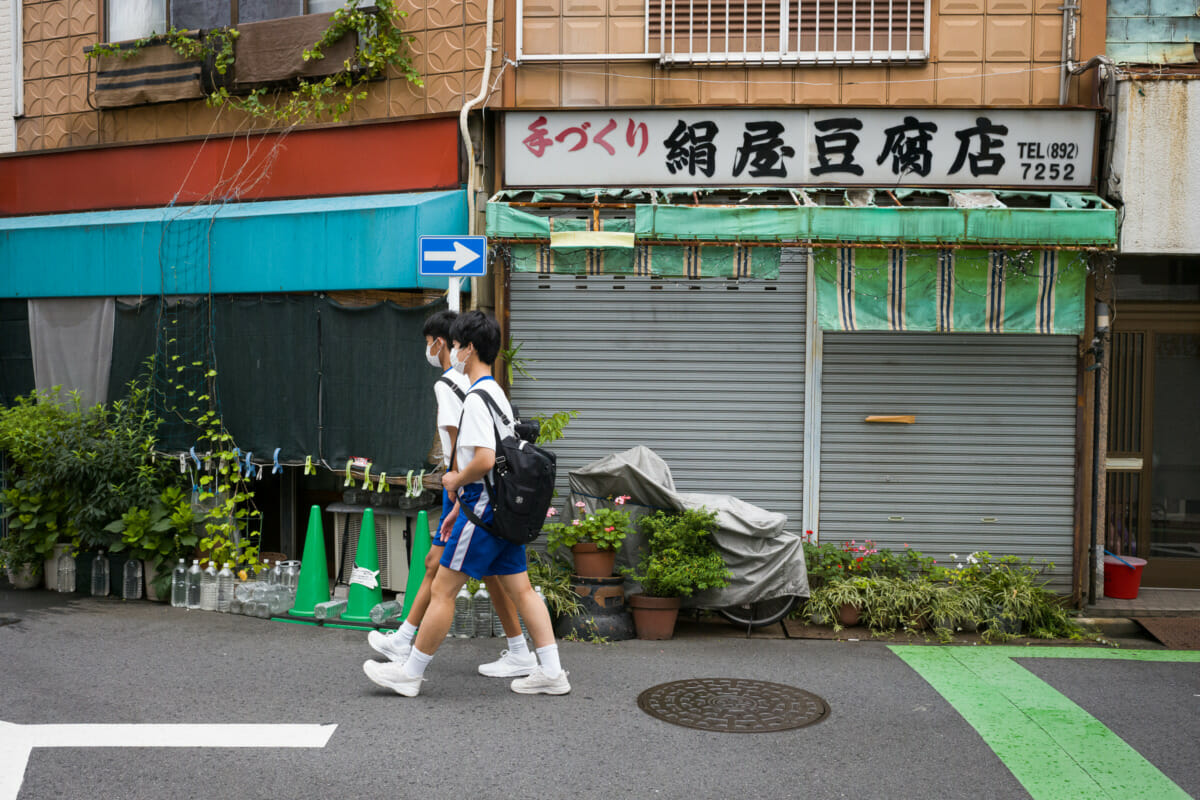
[[890, 733]]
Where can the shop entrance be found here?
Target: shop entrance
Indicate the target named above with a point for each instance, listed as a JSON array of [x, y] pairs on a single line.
[[1154, 441]]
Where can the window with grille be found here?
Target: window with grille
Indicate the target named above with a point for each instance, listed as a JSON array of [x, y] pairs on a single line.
[[788, 31]]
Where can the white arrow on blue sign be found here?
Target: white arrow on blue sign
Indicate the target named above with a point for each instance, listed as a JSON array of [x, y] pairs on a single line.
[[455, 256]]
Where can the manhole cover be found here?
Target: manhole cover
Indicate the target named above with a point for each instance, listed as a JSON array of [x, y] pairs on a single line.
[[733, 705]]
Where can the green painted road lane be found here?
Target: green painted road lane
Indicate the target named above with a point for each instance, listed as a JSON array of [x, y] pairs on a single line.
[[1052, 746]]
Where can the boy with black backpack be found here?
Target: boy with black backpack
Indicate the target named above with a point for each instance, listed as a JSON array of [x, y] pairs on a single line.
[[450, 389], [471, 550]]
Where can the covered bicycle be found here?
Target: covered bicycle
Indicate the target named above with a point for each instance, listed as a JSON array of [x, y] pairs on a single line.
[[767, 562]]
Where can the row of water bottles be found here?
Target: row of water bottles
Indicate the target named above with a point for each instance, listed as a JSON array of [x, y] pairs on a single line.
[[273, 591], [131, 585], [474, 614]]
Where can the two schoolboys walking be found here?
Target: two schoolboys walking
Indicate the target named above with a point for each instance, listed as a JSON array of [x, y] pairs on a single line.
[[465, 347]]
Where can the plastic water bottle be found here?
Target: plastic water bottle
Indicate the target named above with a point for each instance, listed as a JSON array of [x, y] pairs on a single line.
[[179, 585], [291, 575], [132, 589], [382, 612], [330, 608], [280, 600], [194, 576], [463, 626], [208, 588], [100, 575], [264, 572], [483, 613], [224, 588], [276, 578], [66, 573]]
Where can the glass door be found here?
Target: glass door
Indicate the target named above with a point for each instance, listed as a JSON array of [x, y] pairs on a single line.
[[1154, 442]]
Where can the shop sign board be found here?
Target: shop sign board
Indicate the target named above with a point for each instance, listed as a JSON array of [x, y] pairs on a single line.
[[879, 147]]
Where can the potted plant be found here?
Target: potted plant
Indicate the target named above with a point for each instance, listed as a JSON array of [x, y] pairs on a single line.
[[678, 560], [157, 535], [593, 538], [840, 602]]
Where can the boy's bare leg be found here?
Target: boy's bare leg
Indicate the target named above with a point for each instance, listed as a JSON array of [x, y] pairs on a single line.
[[506, 610], [440, 613], [530, 606], [420, 603]]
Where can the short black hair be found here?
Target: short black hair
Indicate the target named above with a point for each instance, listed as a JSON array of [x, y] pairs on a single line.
[[438, 325], [477, 328]]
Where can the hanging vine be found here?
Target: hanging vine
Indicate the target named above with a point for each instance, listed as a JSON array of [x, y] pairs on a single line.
[[381, 46]]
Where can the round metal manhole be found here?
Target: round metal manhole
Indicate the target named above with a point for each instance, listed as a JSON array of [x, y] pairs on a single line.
[[733, 705]]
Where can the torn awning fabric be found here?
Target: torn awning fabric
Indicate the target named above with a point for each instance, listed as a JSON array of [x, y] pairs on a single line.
[[737, 233]]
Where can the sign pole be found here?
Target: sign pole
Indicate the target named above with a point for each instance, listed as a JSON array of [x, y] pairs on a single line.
[[454, 295]]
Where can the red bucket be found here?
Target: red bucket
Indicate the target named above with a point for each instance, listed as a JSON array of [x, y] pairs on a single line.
[[1121, 581]]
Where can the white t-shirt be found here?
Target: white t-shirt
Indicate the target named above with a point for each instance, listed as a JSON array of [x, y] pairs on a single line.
[[449, 408], [477, 430]]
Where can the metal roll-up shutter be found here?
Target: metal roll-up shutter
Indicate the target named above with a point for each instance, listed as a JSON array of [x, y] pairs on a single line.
[[707, 373], [989, 463]]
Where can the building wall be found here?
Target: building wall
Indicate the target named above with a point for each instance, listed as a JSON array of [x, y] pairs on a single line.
[[1154, 31], [8, 78], [447, 50], [982, 52], [1157, 123]]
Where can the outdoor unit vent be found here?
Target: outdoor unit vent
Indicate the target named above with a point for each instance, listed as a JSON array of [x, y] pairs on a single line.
[[393, 527]]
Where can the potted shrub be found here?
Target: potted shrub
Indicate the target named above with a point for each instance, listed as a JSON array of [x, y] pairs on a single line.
[[158, 536], [839, 602], [593, 539], [678, 560]]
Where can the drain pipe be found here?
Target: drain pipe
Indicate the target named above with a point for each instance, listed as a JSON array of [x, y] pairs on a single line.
[[1069, 9], [453, 295]]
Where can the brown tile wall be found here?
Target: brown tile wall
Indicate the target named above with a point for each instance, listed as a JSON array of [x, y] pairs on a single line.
[[447, 50], [982, 52]]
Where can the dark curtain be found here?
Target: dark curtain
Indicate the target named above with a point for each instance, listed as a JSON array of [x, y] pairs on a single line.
[[133, 344], [16, 353], [267, 356], [376, 388]]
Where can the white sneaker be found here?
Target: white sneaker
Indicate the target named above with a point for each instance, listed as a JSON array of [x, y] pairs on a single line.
[[510, 665], [389, 645], [394, 677], [538, 683]]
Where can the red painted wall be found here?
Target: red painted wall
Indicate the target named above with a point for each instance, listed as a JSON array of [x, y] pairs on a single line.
[[363, 159]]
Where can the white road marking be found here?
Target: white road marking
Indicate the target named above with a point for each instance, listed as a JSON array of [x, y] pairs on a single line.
[[18, 741]]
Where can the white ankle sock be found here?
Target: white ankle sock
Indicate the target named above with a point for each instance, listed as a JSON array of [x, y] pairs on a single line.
[[548, 656], [517, 646], [417, 661], [407, 632]]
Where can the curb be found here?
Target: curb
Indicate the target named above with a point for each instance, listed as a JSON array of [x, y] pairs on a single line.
[[1112, 626]]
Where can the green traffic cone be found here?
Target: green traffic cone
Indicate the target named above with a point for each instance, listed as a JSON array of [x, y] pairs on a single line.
[[416, 565], [312, 586], [365, 590]]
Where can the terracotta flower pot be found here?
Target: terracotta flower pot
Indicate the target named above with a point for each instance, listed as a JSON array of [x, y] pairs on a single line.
[[654, 617], [848, 615], [592, 562]]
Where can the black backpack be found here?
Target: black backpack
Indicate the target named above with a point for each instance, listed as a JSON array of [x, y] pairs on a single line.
[[521, 484]]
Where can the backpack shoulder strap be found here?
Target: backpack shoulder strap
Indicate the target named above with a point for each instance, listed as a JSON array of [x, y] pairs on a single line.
[[454, 387], [495, 408]]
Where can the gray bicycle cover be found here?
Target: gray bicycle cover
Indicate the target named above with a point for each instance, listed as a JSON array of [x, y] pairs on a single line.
[[766, 561]]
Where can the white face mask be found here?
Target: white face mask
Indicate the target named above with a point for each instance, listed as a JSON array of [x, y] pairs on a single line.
[[459, 366], [433, 360]]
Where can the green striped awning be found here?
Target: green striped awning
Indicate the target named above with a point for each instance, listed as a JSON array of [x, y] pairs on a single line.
[[965, 291]]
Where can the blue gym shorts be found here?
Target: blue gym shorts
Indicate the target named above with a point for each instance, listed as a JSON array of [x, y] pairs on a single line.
[[447, 507], [473, 550]]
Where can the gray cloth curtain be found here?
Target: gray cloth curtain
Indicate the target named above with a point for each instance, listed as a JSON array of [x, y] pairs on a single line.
[[72, 341]]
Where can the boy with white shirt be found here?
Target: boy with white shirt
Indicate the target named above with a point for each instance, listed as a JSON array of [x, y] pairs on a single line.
[[450, 389], [470, 550]]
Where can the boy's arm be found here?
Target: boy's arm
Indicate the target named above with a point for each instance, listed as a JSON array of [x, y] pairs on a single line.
[[473, 472]]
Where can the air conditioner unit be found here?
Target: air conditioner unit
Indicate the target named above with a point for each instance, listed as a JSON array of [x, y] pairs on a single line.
[[394, 528]]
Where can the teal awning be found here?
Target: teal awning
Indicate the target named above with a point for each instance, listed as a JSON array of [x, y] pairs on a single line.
[[334, 243], [732, 222]]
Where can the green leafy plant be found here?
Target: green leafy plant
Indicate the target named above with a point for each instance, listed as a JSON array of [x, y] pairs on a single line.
[[554, 578], [679, 558], [826, 601], [159, 534], [605, 527], [552, 425]]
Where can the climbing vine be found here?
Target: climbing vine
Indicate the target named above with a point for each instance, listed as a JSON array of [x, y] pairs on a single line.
[[382, 46]]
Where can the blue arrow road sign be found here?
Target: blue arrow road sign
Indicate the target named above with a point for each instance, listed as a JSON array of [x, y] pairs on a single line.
[[456, 256]]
